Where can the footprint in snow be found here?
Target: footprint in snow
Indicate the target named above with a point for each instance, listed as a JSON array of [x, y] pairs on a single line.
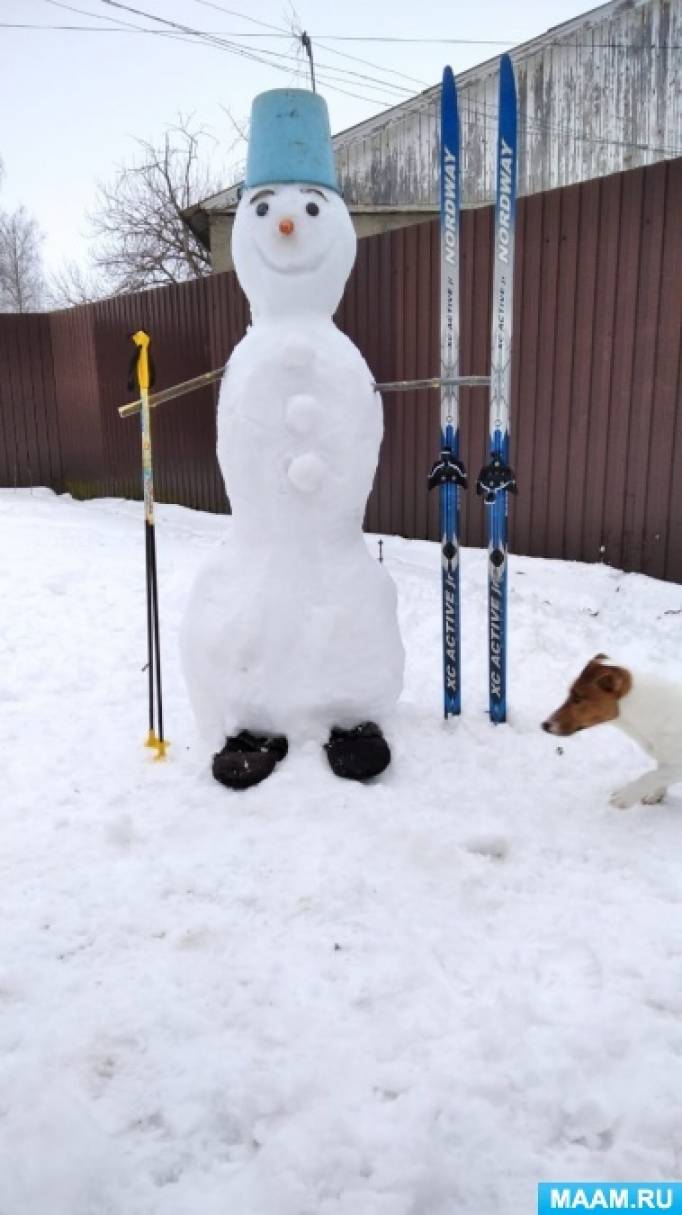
[[495, 847]]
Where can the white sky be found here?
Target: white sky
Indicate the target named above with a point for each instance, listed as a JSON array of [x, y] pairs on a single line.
[[72, 102]]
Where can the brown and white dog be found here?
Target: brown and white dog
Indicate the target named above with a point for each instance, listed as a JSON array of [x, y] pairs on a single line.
[[646, 708]]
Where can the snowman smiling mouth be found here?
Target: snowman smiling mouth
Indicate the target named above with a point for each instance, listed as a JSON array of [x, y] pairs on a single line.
[[291, 266]]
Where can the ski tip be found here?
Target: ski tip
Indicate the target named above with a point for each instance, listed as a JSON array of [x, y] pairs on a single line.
[[507, 79], [507, 94], [449, 115]]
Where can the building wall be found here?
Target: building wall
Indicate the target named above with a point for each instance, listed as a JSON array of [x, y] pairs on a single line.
[[220, 235], [595, 96]]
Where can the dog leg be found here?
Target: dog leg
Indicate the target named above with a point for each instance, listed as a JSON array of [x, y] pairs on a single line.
[[625, 798], [649, 788], [652, 799]]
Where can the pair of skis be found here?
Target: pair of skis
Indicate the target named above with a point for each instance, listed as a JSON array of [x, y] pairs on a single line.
[[496, 479]]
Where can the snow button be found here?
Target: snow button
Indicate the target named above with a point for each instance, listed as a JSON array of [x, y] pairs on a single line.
[[306, 472]]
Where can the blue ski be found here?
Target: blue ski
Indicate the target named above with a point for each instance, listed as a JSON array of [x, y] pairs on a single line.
[[497, 478], [448, 471]]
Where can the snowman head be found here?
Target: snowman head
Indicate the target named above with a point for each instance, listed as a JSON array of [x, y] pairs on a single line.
[[293, 247], [293, 243]]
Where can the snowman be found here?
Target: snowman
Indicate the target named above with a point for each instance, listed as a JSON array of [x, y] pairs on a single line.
[[291, 632]]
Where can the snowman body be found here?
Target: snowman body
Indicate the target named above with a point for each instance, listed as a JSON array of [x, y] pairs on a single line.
[[292, 627]]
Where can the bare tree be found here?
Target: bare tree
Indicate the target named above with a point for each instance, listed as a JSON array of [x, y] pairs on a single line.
[[240, 140], [22, 286], [73, 284], [143, 240]]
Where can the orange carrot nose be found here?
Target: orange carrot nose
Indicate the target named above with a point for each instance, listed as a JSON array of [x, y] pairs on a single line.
[[286, 226]]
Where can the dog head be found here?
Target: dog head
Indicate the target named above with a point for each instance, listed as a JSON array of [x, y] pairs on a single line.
[[593, 698]]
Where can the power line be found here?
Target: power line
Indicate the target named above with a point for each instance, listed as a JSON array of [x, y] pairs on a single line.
[[27, 25], [346, 74], [277, 31], [121, 26], [280, 32], [369, 63], [243, 52], [245, 17], [139, 29], [129, 28], [193, 36], [589, 46]]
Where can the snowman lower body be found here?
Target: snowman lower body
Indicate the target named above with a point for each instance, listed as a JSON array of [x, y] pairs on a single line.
[[285, 646]]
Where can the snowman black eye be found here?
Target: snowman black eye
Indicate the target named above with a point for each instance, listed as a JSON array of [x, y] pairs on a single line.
[[262, 208], [312, 209]]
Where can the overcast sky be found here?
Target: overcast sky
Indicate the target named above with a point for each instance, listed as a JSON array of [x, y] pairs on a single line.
[[72, 102]]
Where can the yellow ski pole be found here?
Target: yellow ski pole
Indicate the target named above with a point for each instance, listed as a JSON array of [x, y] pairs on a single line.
[[141, 376]]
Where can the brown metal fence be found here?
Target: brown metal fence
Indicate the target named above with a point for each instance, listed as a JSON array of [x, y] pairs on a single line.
[[597, 389], [30, 447]]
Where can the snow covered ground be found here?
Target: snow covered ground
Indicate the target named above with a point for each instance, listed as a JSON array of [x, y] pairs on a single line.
[[312, 998]]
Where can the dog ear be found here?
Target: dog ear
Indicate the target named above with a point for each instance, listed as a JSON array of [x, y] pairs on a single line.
[[614, 680], [589, 670]]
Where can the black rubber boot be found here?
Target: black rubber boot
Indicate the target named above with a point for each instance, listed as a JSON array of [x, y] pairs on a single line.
[[248, 758], [358, 754]]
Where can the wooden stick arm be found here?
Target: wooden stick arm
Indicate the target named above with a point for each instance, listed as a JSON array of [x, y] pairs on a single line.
[[209, 377], [168, 394], [458, 381]]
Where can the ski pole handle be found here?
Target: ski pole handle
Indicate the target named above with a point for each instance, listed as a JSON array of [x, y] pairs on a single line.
[[143, 371], [142, 359]]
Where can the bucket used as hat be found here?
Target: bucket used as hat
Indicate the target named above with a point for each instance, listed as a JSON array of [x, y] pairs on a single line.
[[290, 140]]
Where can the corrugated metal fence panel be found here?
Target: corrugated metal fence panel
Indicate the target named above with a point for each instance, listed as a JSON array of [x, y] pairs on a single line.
[[77, 392], [597, 400], [194, 327], [175, 318], [30, 451], [596, 381], [662, 546]]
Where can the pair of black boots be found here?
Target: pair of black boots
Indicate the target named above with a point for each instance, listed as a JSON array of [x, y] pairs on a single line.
[[247, 759]]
